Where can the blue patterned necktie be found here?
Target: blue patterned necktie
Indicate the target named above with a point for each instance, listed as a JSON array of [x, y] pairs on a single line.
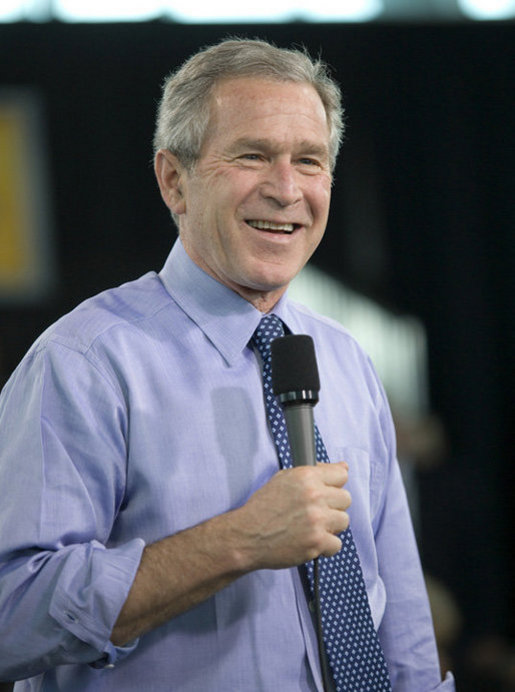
[[351, 642]]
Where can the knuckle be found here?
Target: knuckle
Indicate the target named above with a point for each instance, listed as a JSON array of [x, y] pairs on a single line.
[[312, 495], [315, 516], [304, 472]]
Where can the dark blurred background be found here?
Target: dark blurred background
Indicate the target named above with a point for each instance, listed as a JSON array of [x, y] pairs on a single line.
[[422, 222]]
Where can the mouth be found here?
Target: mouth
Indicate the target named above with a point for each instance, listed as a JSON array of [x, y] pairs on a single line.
[[271, 227]]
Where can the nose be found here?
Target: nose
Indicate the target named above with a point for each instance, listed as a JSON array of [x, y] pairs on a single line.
[[281, 184]]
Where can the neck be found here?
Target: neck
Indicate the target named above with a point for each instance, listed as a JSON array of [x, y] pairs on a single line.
[[264, 301]]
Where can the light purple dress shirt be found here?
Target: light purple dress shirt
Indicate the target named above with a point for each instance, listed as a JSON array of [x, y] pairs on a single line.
[[141, 413]]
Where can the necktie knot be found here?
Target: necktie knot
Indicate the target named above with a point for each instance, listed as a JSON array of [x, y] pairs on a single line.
[[269, 328]]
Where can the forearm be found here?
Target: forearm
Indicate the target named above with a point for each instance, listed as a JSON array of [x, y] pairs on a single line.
[[290, 520], [179, 572]]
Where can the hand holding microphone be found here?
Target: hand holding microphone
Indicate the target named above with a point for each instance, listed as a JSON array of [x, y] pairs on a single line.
[[298, 514], [296, 383]]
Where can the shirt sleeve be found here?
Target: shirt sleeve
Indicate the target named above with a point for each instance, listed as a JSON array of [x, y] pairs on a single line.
[[406, 631], [62, 474]]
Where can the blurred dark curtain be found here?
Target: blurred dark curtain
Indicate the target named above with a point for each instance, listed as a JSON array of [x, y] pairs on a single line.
[[422, 221]]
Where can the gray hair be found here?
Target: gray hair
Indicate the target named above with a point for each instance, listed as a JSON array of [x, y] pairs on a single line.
[[183, 113]]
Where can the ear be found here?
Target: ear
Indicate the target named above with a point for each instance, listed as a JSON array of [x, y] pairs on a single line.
[[169, 170]]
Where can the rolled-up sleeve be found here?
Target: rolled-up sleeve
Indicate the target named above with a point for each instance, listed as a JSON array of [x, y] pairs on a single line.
[[62, 477]]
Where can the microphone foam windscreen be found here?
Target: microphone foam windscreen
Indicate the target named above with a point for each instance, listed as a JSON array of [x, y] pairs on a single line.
[[294, 365]]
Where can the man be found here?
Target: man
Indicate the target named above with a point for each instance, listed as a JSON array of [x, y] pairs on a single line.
[[149, 539]]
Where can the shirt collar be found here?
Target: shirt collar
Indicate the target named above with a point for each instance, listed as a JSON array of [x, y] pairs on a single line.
[[227, 319]]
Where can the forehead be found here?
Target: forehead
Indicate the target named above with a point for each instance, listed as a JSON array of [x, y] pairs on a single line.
[[263, 107]]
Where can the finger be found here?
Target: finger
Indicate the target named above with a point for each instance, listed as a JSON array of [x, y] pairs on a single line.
[[338, 498], [333, 546], [338, 522], [325, 464], [334, 474]]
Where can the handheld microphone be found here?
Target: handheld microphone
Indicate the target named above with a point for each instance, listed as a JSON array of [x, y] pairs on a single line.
[[296, 383]]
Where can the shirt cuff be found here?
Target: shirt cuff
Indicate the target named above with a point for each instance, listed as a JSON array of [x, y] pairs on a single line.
[[447, 685], [92, 588], [114, 654]]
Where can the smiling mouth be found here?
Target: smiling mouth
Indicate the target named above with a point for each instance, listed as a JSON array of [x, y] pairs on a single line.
[[273, 227]]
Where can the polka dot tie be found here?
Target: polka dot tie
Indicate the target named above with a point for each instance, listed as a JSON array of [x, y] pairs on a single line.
[[351, 642]]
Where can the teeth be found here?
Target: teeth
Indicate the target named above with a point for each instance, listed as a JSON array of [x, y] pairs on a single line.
[[269, 226]]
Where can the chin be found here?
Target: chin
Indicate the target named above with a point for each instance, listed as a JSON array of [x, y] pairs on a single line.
[[272, 277], [269, 283]]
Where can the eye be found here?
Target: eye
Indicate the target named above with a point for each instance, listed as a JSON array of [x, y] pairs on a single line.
[[249, 159], [309, 162]]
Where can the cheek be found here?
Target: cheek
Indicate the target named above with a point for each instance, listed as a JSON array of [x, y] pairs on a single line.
[[231, 183], [319, 197], [320, 210]]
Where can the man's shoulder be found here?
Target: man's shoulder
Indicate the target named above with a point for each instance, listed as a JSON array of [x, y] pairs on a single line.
[[123, 308]]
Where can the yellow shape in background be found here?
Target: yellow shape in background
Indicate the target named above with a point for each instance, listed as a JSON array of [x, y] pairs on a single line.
[[14, 245]]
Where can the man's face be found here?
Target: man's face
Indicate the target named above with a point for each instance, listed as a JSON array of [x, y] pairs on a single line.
[[255, 207]]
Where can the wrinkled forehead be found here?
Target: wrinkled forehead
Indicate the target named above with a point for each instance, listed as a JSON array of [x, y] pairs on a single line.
[[252, 88], [258, 107]]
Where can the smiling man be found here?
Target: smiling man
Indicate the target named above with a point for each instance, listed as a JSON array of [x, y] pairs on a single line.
[[255, 206], [150, 539]]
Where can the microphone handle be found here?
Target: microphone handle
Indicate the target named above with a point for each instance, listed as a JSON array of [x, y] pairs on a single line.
[[301, 433]]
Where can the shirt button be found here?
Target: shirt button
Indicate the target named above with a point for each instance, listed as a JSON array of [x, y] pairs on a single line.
[[109, 665]]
